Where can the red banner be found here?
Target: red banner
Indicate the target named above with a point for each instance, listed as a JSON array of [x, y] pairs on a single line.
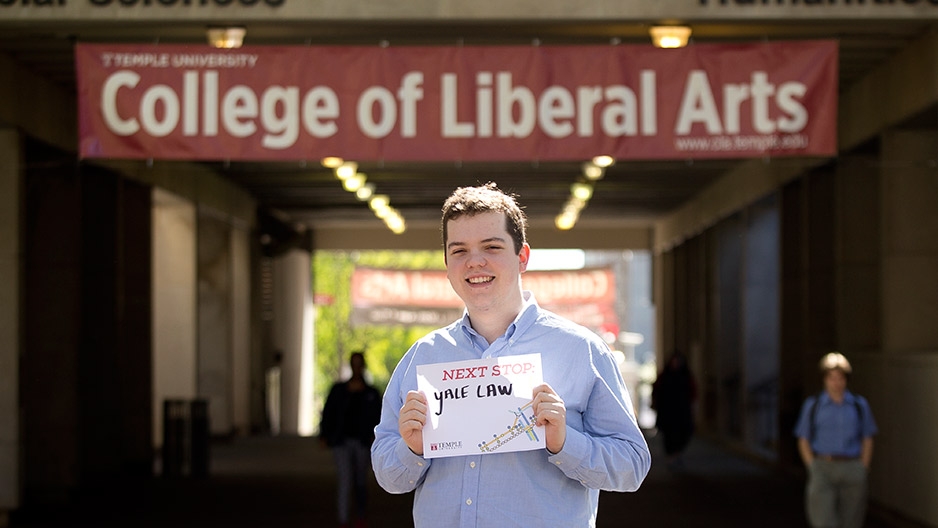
[[493, 103]]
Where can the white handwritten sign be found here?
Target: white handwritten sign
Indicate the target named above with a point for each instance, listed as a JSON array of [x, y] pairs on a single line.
[[481, 406]]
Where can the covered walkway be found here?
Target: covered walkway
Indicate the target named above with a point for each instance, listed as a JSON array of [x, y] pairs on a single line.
[[288, 482]]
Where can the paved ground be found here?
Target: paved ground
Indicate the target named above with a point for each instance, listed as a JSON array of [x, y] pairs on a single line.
[[288, 482]]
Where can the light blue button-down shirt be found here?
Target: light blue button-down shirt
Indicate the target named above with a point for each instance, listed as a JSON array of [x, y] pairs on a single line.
[[604, 448]]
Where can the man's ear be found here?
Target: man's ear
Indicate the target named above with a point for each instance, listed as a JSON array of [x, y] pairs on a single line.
[[523, 256]]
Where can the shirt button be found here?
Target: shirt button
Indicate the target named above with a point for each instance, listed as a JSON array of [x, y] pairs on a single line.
[[472, 464], [469, 502]]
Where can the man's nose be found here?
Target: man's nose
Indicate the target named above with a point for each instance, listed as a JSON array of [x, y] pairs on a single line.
[[476, 258]]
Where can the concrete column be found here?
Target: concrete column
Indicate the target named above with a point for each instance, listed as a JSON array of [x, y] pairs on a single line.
[[292, 336], [224, 315], [662, 286], [214, 318], [174, 303], [760, 332], [910, 249], [10, 269], [241, 327]]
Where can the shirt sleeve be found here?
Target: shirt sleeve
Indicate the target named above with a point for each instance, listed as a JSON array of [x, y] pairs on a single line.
[[868, 424], [327, 424], [610, 453], [397, 468], [803, 426]]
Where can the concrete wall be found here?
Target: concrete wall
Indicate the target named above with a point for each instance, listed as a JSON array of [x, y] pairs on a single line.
[[54, 120], [10, 334], [900, 378]]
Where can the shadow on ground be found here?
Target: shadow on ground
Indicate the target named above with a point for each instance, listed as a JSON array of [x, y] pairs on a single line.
[[283, 482]]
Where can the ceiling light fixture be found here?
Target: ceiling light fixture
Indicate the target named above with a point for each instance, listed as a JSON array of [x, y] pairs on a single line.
[[226, 37], [384, 212], [395, 223], [378, 202], [604, 161], [580, 194], [332, 162], [365, 192], [566, 220], [354, 182], [581, 191], [669, 36], [592, 171], [357, 183], [346, 170]]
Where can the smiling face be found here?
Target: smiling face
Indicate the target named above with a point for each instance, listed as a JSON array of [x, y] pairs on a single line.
[[482, 265]]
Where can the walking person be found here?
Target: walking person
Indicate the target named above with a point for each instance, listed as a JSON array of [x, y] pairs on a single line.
[[351, 412], [835, 440], [592, 439], [672, 397]]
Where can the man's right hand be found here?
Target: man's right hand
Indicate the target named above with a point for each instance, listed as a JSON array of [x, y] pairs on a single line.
[[412, 419]]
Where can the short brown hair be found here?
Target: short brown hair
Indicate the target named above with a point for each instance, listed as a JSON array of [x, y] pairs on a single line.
[[470, 201]]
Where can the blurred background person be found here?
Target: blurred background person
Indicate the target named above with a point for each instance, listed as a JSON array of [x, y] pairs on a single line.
[[672, 397], [349, 416], [835, 440]]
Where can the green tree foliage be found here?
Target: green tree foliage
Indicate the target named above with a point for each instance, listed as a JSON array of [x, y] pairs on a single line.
[[336, 339]]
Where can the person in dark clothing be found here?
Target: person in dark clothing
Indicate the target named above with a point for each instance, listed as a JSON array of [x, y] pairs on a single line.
[[349, 417], [673, 395]]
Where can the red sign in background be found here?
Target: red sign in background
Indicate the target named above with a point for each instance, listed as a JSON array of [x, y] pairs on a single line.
[[457, 103], [425, 297]]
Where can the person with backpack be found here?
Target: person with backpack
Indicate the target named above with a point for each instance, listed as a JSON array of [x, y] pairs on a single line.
[[835, 440]]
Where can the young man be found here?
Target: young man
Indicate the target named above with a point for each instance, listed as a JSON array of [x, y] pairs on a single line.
[[592, 439], [835, 440]]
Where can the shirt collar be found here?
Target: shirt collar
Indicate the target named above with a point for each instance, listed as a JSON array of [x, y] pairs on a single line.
[[526, 317], [826, 398], [522, 321]]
